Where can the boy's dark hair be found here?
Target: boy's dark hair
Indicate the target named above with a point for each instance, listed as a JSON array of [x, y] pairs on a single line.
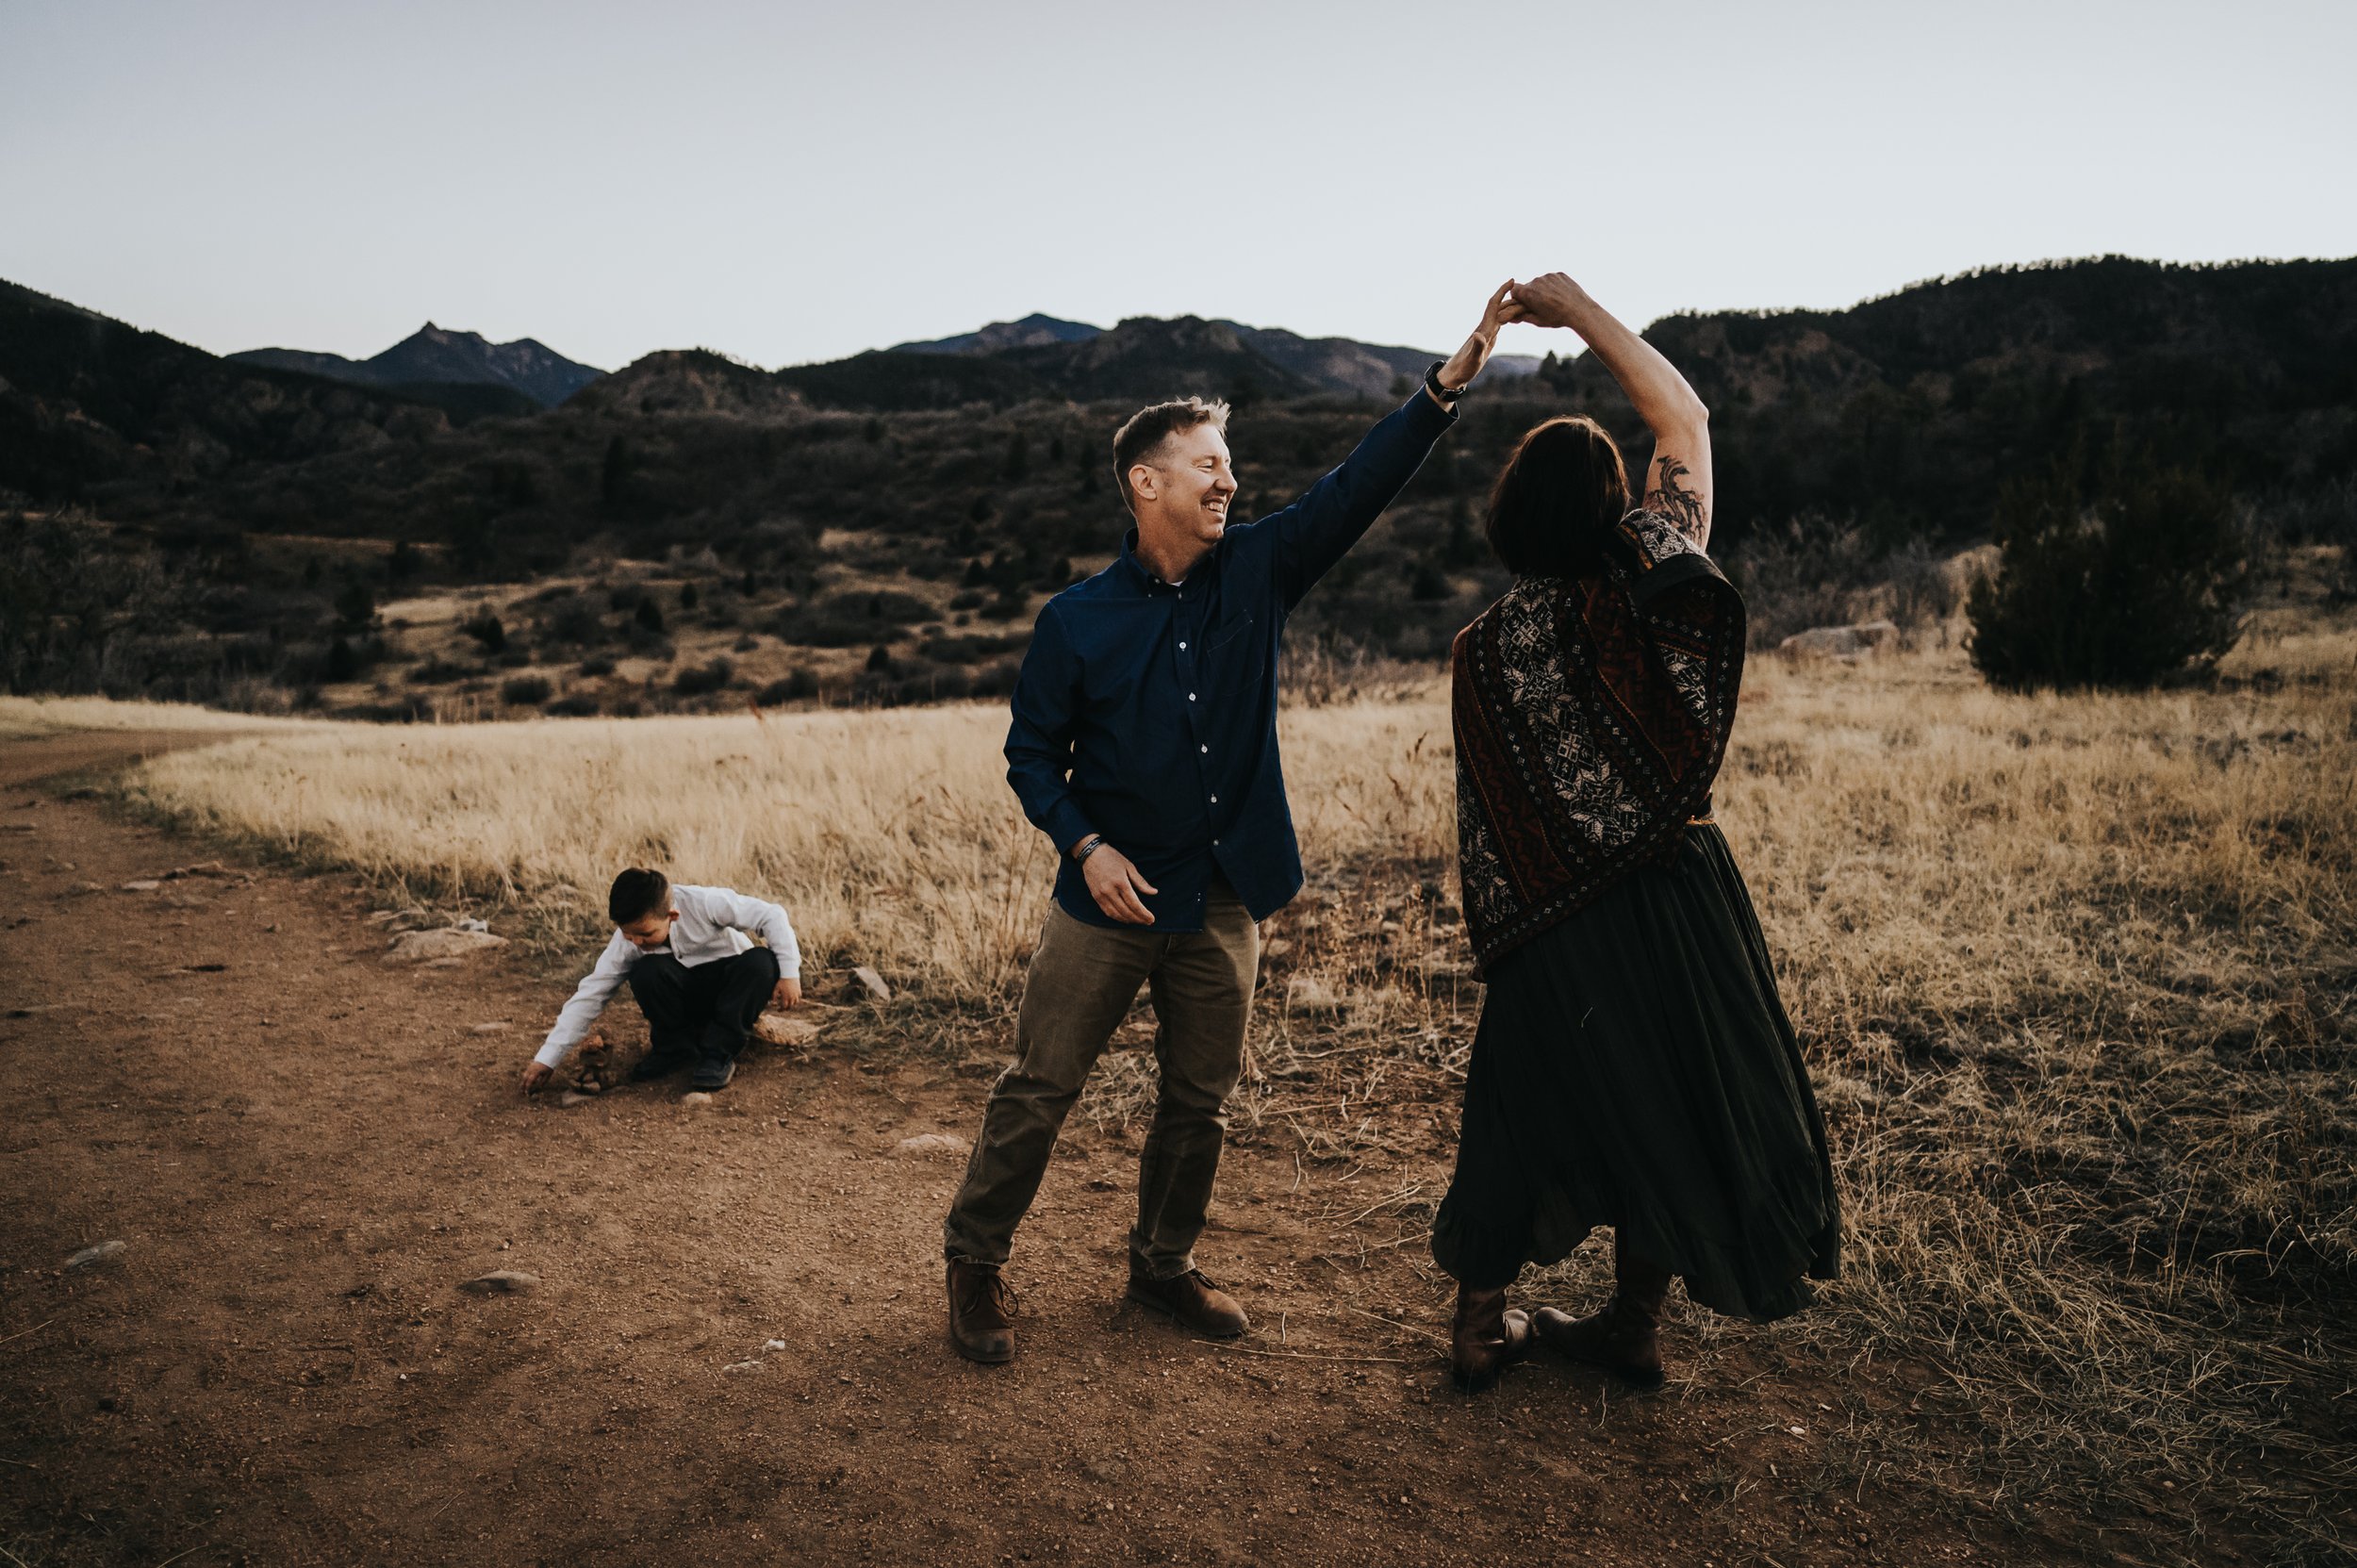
[[637, 893], [1149, 428], [1552, 510]]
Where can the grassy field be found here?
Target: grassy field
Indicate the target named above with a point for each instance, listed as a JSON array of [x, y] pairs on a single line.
[[2075, 974]]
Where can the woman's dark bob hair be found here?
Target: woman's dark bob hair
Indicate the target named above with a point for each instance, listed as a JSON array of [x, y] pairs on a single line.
[[1555, 508]]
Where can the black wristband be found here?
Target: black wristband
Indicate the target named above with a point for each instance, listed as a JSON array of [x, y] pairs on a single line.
[[1432, 384], [1089, 845]]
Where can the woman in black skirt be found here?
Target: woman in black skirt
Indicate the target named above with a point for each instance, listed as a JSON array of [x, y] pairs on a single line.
[[1634, 1066]]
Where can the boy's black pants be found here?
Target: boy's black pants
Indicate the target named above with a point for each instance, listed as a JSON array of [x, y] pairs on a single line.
[[704, 1011]]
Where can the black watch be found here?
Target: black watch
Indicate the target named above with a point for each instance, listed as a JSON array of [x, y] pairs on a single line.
[[1432, 383]]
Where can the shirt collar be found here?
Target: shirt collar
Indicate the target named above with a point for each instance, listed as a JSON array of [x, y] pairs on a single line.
[[1141, 576]]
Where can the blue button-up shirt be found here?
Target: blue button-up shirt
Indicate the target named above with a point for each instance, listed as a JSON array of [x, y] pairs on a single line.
[[1148, 713]]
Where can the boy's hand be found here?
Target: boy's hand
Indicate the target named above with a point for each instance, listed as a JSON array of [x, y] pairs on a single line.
[[788, 993], [536, 1075]]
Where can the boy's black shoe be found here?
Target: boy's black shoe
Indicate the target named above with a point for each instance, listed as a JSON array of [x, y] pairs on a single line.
[[712, 1072], [659, 1064]]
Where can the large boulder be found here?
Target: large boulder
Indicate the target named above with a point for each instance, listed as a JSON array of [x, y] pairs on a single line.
[[1847, 643]]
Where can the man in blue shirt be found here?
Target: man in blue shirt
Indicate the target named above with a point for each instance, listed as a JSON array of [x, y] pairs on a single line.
[[1143, 744]]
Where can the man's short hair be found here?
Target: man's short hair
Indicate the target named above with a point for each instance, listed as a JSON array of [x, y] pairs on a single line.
[[1149, 428], [638, 893]]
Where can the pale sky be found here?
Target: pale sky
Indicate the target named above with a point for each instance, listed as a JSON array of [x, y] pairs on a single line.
[[790, 181]]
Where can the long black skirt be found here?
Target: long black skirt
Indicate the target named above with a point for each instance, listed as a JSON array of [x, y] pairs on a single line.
[[1634, 1067]]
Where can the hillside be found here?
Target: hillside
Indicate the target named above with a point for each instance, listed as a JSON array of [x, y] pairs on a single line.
[[437, 356], [1911, 410], [689, 532], [90, 408]]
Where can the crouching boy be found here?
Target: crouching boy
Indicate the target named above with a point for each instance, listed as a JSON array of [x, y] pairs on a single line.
[[698, 979]]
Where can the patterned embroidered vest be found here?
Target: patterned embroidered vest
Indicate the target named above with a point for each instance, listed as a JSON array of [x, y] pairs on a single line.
[[1590, 714]]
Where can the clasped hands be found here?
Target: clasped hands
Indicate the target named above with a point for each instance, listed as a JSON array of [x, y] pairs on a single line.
[[1551, 299]]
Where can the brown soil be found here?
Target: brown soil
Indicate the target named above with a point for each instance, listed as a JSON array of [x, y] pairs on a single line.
[[305, 1151]]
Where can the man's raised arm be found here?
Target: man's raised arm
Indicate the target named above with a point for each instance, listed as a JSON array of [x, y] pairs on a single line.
[[1333, 514]]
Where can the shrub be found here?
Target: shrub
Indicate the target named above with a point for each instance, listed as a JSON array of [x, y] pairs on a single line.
[[526, 691], [597, 664], [797, 686], [486, 630], [2120, 578], [698, 680], [577, 706], [1810, 572]]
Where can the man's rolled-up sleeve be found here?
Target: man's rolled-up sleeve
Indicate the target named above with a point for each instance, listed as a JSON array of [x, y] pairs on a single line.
[[1039, 739]]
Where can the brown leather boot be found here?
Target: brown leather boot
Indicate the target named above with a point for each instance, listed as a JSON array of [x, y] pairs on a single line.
[[1191, 1299], [1484, 1339], [1625, 1337], [982, 1312]]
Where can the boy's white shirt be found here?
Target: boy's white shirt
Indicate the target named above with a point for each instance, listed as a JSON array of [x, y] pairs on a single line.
[[711, 924]]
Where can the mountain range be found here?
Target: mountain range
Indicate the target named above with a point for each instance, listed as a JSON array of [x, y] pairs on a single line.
[[1327, 364], [889, 522], [433, 355]]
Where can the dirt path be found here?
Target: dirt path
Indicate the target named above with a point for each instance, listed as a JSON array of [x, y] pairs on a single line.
[[303, 1152]]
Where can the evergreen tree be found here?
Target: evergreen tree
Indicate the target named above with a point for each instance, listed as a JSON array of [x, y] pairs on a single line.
[[2121, 573]]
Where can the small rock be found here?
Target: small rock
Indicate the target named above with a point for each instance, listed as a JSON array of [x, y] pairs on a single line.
[[570, 1098], [82, 889], [488, 1028], [450, 942], [932, 1143], [865, 979], [504, 1282], [204, 869], [694, 1097], [782, 1029], [472, 925], [98, 1254], [743, 1366], [769, 1344]]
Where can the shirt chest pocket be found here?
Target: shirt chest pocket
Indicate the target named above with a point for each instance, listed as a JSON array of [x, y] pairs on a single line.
[[1234, 655], [1227, 636]]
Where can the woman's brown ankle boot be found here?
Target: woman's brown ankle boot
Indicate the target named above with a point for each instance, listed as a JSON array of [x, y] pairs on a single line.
[[1484, 1339], [1625, 1337]]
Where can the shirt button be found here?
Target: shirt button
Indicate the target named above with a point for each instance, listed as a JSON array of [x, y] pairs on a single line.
[[1191, 697], [1205, 749], [1182, 646], [1214, 799]]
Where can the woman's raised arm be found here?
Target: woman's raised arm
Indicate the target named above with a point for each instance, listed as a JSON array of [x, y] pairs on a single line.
[[1677, 482]]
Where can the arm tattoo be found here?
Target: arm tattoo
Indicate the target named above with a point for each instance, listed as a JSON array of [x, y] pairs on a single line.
[[1672, 499]]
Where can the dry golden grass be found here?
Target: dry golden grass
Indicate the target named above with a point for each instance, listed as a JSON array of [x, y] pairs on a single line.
[[2075, 972]]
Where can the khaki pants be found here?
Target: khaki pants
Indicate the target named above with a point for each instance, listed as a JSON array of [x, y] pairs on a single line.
[[1081, 980]]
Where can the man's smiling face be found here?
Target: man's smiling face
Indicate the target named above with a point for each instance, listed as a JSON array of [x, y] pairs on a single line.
[[1192, 484]]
